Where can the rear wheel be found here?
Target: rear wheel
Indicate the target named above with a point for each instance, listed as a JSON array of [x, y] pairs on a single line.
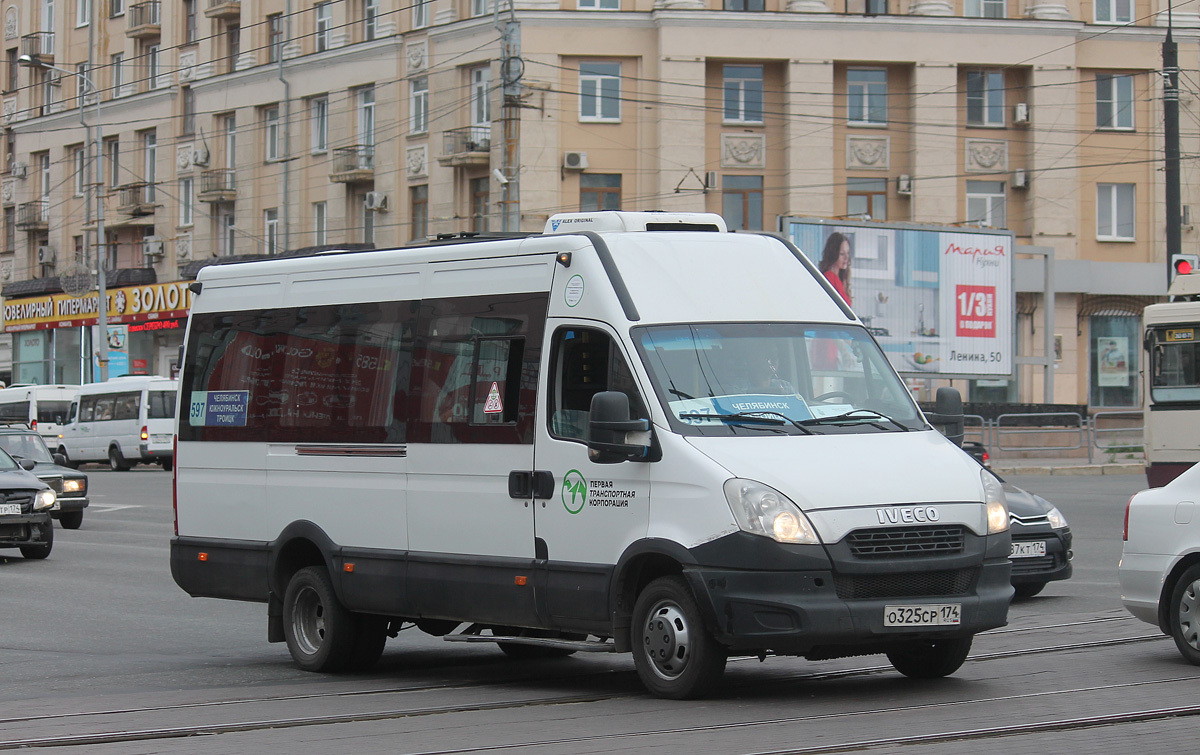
[[1185, 614], [69, 463], [71, 520], [930, 659], [42, 549], [167, 464], [321, 634], [675, 655], [116, 461]]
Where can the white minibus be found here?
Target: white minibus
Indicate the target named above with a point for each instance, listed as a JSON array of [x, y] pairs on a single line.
[[635, 432], [122, 421], [43, 408]]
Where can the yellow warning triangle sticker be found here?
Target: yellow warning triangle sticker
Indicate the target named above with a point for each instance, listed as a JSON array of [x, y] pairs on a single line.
[[494, 405]]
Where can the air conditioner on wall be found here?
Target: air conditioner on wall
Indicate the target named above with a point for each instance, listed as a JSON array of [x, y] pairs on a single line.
[[45, 255], [17, 170], [200, 156], [152, 246], [1020, 179], [375, 200], [1021, 113], [575, 160], [904, 185]]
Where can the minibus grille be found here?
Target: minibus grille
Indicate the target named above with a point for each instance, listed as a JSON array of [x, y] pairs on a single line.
[[906, 541], [911, 585]]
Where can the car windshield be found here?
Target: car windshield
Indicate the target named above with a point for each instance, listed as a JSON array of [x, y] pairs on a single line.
[[25, 446], [757, 378]]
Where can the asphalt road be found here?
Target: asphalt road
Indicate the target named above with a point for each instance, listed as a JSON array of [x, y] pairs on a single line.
[[102, 654]]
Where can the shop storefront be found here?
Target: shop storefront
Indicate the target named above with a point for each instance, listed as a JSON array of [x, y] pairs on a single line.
[[55, 336]]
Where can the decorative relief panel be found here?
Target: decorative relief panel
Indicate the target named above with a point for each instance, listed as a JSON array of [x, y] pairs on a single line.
[[416, 160], [986, 156], [187, 66], [9, 110], [8, 191], [183, 246], [868, 152], [6, 270], [743, 151], [11, 29], [416, 54], [183, 156]]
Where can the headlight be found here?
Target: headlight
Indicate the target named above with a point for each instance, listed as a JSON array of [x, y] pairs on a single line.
[[44, 500], [762, 510], [997, 505], [75, 486], [1056, 519]]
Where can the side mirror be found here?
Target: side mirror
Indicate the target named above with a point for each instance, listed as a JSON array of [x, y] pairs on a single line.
[[60, 460], [947, 415], [609, 426], [27, 464]]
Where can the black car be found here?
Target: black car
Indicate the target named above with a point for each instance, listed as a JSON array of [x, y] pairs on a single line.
[[1041, 541], [25, 505], [70, 485]]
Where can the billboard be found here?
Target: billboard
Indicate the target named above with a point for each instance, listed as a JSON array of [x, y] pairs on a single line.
[[939, 300]]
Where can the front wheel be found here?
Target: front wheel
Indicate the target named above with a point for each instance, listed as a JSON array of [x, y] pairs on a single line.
[[116, 462], [69, 463], [1185, 614], [1028, 590], [674, 654], [71, 520], [42, 549], [930, 659], [321, 634]]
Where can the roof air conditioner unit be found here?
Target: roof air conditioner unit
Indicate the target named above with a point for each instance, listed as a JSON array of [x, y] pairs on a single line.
[[904, 185], [575, 160], [376, 201], [1021, 113], [152, 246], [1020, 179], [45, 255], [17, 170], [200, 156]]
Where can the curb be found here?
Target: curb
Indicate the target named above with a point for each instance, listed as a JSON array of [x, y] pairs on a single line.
[[1072, 470]]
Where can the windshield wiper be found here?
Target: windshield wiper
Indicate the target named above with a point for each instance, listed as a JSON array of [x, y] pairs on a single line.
[[867, 416], [758, 417]]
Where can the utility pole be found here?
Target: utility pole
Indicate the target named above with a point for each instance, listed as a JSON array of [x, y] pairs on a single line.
[[1170, 56], [511, 70]]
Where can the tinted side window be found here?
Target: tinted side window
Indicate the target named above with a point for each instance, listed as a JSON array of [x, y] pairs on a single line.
[[52, 411], [335, 373], [586, 362], [162, 405], [87, 408], [127, 405], [15, 412], [105, 407]]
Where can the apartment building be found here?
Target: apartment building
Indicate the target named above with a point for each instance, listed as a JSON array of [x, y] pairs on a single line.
[[255, 127]]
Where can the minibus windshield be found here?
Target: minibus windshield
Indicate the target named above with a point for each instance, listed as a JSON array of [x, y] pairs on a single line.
[[760, 378]]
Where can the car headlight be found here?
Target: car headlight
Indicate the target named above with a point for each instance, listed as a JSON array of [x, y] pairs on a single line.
[[44, 500], [1056, 519], [762, 510], [75, 486], [997, 504]]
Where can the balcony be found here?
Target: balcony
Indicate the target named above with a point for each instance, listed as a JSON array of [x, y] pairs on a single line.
[[466, 146], [217, 186], [144, 20], [355, 164], [34, 216], [39, 45], [223, 9], [136, 199]]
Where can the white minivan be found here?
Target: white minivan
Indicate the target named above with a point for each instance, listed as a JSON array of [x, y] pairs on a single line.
[[123, 421], [635, 432], [43, 408]]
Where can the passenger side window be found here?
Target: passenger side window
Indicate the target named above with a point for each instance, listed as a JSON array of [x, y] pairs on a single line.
[[586, 362], [104, 407], [87, 409], [126, 405]]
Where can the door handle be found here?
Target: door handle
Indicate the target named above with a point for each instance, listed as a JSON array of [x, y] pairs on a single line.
[[525, 485]]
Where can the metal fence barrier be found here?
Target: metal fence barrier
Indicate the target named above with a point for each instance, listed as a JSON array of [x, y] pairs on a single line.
[[1103, 431], [1057, 423], [1132, 434]]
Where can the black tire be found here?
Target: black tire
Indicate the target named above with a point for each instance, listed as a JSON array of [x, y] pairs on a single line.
[[70, 520], [321, 634], [116, 462], [674, 653], [533, 652], [369, 639], [41, 550], [930, 659], [167, 464], [1028, 590], [72, 464], [1184, 618]]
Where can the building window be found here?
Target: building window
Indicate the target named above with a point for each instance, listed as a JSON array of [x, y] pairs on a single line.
[[1115, 212], [600, 4], [420, 14], [419, 201], [481, 7], [370, 19], [83, 12], [986, 204], [187, 97], [233, 47], [150, 162], [866, 198], [10, 229], [191, 29], [186, 201], [481, 99], [116, 64], [153, 65], [866, 96], [599, 191], [320, 223], [743, 86], [112, 156], [116, 8], [82, 90], [13, 81], [742, 202], [368, 221], [366, 122], [1114, 101], [318, 116], [226, 232], [1115, 346], [324, 25], [985, 98], [600, 92], [480, 199], [271, 133], [418, 106], [271, 230], [274, 37], [1114, 11], [79, 161], [229, 129], [745, 5], [985, 8]]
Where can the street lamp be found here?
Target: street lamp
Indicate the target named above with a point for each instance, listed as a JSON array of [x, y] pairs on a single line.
[[29, 61]]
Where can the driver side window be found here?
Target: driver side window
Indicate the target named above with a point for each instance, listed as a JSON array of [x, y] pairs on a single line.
[[586, 362]]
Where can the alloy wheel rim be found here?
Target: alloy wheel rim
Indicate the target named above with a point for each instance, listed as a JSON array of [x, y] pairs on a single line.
[[1189, 615]]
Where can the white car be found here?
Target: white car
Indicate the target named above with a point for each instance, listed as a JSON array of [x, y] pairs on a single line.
[[1160, 560]]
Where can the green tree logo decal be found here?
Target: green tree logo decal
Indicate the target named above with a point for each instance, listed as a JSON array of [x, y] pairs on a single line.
[[574, 491]]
